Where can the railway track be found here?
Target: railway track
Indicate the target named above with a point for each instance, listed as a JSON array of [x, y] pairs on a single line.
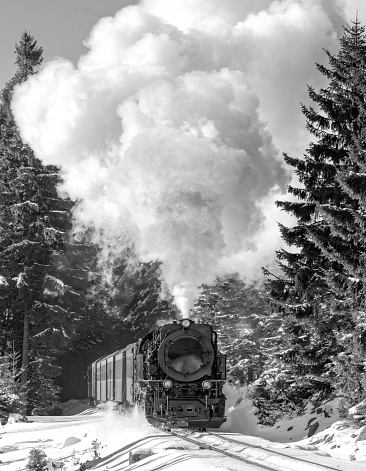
[[277, 453], [208, 450], [264, 458], [221, 451]]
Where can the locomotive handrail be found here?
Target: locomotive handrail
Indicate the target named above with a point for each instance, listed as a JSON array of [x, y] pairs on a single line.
[[162, 380]]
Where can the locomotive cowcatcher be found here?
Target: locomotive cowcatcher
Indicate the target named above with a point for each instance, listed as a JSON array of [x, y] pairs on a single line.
[[175, 373]]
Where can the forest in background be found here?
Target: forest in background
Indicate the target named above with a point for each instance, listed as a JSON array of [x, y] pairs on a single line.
[[299, 338]]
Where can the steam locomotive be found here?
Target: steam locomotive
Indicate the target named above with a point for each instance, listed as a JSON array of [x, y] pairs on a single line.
[[175, 373]]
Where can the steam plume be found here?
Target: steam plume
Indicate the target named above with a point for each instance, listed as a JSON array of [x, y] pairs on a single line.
[[160, 134]]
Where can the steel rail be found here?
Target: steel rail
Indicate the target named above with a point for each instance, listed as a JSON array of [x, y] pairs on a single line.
[[272, 451], [223, 452]]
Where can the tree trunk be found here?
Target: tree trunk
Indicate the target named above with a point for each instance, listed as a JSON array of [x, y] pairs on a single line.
[[250, 375], [25, 359]]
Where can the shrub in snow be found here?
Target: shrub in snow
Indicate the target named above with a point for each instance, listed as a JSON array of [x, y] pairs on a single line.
[[96, 445], [348, 365], [10, 390], [42, 392], [37, 460], [15, 417], [357, 413], [10, 402], [343, 408], [276, 394]]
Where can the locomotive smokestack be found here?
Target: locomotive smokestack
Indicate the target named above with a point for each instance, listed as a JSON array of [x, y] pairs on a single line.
[[159, 131]]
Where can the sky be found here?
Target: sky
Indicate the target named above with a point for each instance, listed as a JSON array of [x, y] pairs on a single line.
[[169, 129], [59, 27]]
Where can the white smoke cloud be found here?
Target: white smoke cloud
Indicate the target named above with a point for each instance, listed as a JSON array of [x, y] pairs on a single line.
[[167, 130]]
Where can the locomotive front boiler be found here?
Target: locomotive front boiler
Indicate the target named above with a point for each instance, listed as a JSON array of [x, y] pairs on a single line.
[[187, 354], [183, 374]]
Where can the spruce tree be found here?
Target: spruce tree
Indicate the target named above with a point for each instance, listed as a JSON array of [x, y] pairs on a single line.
[[45, 274], [349, 223], [37, 460], [18, 223], [246, 330], [126, 305], [312, 295], [10, 392]]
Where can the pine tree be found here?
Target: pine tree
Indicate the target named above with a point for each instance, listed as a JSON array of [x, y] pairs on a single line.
[[349, 223], [17, 209], [146, 307], [126, 307], [37, 460], [313, 296], [246, 330], [45, 273], [10, 390]]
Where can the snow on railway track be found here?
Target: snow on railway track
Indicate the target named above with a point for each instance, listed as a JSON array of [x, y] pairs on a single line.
[[129, 443], [287, 459]]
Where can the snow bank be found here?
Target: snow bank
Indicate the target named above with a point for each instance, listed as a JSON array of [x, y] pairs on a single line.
[[319, 430]]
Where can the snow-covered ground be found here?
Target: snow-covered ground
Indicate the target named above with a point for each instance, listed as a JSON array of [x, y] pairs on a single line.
[[69, 440], [319, 429]]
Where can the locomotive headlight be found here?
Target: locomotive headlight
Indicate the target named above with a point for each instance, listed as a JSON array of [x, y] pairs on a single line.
[[206, 384], [167, 383], [186, 323]]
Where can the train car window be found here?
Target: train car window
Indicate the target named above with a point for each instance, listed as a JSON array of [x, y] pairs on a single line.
[[129, 367], [119, 368]]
